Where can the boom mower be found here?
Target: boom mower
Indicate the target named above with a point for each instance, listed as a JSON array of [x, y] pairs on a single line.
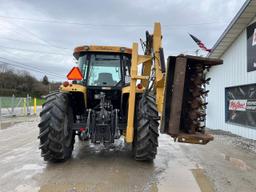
[[107, 97]]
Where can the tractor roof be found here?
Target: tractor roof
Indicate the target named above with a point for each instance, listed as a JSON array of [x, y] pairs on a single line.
[[95, 48]]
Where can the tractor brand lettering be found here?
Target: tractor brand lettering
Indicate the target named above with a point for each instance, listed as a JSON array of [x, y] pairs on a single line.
[[103, 48], [237, 105]]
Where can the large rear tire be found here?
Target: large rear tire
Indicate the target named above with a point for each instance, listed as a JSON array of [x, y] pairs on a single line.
[[56, 135], [145, 140]]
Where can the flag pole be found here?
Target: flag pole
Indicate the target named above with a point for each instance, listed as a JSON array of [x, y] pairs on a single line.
[[197, 51]]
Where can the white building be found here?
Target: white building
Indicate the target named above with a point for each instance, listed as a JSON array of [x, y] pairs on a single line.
[[232, 97]]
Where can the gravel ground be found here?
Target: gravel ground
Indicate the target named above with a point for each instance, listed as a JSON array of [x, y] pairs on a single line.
[[234, 140], [226, 164], [228, 161], [92, 168]]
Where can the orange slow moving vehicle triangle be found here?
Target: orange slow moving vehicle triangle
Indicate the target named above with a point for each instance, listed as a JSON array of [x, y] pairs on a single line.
[[75, 74]]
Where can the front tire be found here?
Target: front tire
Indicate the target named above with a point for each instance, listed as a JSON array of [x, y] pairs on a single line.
[[145, 140], [56, 135]]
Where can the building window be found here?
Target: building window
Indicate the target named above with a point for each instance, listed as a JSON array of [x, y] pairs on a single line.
[[240, 105]]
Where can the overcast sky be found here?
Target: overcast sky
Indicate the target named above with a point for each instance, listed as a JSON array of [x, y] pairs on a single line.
[[31, 31]]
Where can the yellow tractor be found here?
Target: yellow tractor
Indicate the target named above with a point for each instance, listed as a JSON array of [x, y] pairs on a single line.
[[116, 92]]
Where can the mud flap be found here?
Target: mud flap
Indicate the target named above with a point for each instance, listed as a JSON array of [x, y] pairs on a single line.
[[185, 92]]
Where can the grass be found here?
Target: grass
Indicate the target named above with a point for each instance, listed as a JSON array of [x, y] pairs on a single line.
[[39, 102]]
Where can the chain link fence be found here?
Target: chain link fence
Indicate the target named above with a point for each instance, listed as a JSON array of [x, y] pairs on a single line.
[[15, 108]]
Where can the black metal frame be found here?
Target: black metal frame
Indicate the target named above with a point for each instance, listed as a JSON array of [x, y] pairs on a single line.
[[227, 105]]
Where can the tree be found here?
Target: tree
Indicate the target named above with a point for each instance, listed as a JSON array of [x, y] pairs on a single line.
[[45, 80], [22, 83]]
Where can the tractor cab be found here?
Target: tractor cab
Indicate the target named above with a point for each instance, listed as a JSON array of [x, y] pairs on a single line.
[[104, 67], [105, 71]]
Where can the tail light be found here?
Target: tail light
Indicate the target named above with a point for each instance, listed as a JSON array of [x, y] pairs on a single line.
[[139, 86], [65, 83]]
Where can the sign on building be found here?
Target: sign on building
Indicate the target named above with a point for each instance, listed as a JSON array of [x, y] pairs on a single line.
[[241, 105], [251, 47]]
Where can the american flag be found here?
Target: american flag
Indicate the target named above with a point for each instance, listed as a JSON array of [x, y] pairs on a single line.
[[200, 43]]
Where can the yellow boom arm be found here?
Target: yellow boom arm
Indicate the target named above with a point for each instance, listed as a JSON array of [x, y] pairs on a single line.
[[147, 61]]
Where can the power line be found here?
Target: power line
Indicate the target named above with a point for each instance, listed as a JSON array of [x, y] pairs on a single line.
[[105, 25], [29, 42], [28, 67], [11, 64], [6, 63], [33, 51], [36, 36], [12, 55], [40, 38]]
